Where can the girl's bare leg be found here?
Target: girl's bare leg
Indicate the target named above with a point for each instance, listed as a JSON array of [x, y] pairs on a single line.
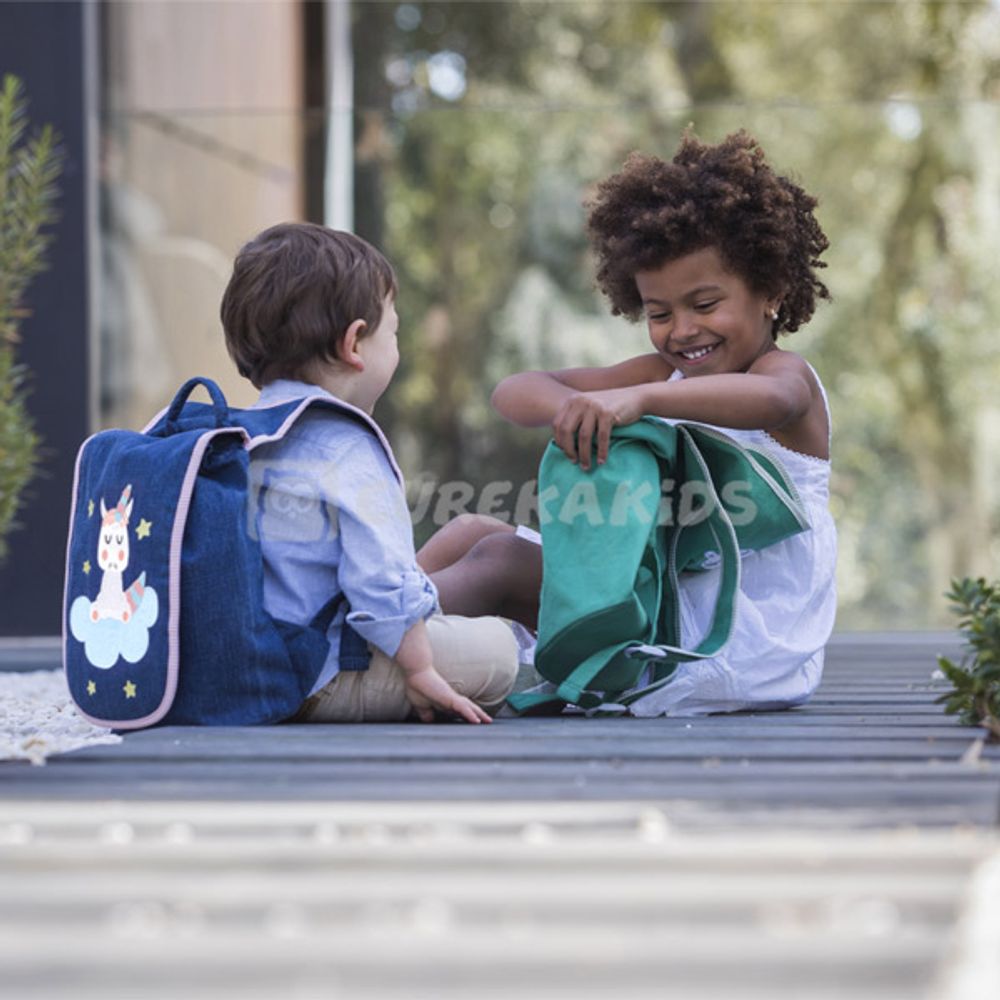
[[501, 574], [456, 538]]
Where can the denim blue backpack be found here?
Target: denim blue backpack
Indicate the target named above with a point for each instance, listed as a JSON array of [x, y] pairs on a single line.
[[163, 616]]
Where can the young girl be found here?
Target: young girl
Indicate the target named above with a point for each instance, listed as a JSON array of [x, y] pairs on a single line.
[[720, 254]]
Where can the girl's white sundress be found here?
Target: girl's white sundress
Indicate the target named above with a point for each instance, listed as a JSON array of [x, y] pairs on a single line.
[[784, 615]]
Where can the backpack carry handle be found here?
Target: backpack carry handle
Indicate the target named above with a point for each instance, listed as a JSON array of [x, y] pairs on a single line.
[[219, 404]]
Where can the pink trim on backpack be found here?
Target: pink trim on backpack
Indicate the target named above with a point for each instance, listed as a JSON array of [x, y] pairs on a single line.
[[159, 416], [69, 548], [334, 403], [173, 583]]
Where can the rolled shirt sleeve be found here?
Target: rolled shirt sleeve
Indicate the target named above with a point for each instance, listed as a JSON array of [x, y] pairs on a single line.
[[387, 591]]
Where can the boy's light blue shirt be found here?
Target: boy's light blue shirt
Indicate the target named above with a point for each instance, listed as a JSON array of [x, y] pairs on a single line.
[[330, 510]]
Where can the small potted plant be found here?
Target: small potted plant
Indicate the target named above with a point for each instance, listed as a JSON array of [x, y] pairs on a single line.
[[976, 680], [29, 167]]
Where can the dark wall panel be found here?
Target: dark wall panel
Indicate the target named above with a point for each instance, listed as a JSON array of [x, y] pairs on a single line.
[[44, 44]]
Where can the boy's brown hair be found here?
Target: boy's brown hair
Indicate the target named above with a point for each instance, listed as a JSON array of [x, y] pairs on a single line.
[[295, 290]]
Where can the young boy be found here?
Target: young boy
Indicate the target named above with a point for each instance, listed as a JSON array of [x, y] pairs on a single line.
[[311, 312]]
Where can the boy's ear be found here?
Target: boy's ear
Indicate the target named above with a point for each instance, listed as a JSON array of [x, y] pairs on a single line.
[[347, 346]]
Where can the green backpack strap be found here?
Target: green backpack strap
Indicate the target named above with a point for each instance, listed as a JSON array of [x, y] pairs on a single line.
[[686, 548], [685, 545], [576, 685], [574, 690], [536, 703], [665, 656]]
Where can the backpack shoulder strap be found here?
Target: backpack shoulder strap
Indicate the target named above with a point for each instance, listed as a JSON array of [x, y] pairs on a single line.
[[267, 424]]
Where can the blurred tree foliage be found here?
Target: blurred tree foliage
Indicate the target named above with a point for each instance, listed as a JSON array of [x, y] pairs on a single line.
[[29, 168], [481, 127]]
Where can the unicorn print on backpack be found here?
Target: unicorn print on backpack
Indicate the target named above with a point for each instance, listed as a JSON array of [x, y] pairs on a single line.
[[114, 601], [116, 623]]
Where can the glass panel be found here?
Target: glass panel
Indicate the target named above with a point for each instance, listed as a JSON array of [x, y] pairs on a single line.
[[481, 128], [180, 194], [202, 146]]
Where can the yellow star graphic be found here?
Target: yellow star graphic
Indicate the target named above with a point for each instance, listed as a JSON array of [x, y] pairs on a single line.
[[142, 531], [86, 566], [129, 689], [91, 687], [90, 508]]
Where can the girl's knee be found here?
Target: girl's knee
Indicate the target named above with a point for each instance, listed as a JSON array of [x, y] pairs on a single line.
[[456, 539], [497, 546], [479, 526], [510, 557]]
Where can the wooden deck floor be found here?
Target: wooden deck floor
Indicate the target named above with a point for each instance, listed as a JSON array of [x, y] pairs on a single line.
[[871, 749], [847, 849]]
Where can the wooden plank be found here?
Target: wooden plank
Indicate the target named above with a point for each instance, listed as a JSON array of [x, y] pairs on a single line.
[[315, 747], [755, 729], [80, 768], [588, 915], [734, 786], [23, 655], [596, 965], [881, 710], [443, 769]]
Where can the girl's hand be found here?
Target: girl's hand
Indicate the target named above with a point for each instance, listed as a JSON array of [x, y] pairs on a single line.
[[585, 414], [427, 690]]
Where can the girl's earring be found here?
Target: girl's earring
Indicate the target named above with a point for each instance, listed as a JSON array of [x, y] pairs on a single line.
[[774, 314]]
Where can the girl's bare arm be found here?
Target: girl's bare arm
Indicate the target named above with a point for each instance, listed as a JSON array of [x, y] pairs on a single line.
[[532, 399], [776, 394]]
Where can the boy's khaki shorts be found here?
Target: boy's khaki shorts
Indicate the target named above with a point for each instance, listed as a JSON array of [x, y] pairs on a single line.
[[476, 656]]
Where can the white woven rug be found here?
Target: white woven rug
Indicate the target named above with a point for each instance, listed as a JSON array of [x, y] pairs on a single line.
[[37, 718]]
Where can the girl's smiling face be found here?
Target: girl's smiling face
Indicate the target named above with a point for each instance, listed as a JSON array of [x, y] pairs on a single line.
[[703, 319]]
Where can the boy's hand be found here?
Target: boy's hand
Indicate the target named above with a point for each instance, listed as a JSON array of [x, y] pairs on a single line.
[[427, 690], [585, 414]]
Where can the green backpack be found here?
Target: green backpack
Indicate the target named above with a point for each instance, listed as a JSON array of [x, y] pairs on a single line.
[[670, 499]]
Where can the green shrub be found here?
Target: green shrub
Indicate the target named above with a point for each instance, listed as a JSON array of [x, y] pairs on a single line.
[[29, 167], [18, 442], [976, 680]]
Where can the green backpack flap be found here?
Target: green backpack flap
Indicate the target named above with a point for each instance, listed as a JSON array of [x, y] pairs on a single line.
[[671, 498]]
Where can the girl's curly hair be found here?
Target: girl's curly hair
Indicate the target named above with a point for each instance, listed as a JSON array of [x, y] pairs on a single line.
[[724, 196]]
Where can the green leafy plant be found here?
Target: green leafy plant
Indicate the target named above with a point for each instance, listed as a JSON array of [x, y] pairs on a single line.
[[29, 168], [976, 680]]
